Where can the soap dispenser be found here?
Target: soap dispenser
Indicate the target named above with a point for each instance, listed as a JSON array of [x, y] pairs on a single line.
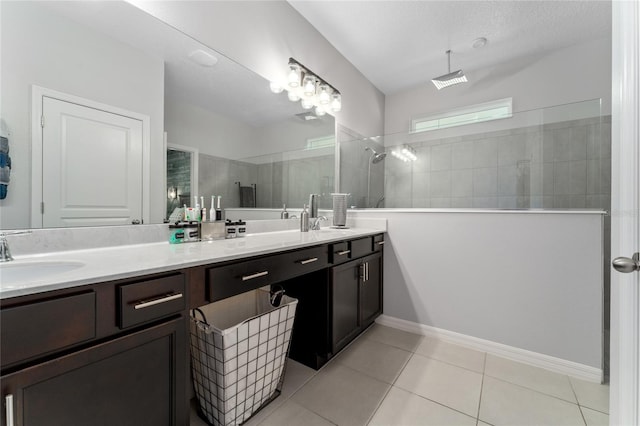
[[284, 214], [304, 219]]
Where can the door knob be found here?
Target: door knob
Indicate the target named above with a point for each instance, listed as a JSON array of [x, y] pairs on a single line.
[[626, 265]]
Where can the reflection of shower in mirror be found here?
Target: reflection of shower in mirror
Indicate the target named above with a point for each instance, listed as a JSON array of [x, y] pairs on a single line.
[[376, 157]]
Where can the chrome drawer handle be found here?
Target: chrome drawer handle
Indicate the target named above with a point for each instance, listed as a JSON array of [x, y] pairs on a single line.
[[8, 400], [343, 252], [380, 243], [256, 275], [310, 260], [157, 301]]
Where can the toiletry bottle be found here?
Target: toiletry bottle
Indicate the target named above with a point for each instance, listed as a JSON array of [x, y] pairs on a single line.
[[219, 208], [284, 214], [304, 220], [212, 210]]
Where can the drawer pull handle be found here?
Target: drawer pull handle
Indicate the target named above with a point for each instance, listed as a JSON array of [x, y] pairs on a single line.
[[310, 260], [380, 243], [157, 301], [343, 252], [8, 400], [252, 276]]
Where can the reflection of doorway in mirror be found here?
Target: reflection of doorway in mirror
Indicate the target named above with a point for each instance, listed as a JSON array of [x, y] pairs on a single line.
[[182, 177]]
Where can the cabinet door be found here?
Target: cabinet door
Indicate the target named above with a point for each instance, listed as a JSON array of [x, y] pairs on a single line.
[[138, 379], [371, 290], [344, 304]]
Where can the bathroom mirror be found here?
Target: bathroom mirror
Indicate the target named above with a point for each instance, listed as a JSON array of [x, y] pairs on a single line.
[[115, 55]]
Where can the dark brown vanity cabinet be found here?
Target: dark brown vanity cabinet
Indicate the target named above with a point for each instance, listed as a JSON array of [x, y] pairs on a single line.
[[109, 354], [337, 304], [356, 298]]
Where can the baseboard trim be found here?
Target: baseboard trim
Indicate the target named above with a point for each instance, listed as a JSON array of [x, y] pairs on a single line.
[[536, 359]]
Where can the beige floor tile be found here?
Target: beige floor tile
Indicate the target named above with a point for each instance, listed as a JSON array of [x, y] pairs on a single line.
[[401, 408], [453, 386], [378, 360], [452, 354], [295, 376], [293, 414], [342, 395], [394, 337], [535, 378], [591, 395], [508, 404], [595, 418], [481, 423]]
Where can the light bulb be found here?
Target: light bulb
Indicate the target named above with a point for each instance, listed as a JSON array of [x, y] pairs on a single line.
[[336, 102], [306, 103], [320, 111], [293, 78], [309, 86], [275, 87], [324, 97], [293, 95]]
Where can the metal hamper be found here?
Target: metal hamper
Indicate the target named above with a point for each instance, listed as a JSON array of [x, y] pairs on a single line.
[[239, 348]]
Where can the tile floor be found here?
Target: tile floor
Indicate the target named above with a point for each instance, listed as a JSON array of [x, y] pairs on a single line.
[[391, 377]]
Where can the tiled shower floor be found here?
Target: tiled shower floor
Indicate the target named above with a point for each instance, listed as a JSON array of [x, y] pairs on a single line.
[[391, 377]]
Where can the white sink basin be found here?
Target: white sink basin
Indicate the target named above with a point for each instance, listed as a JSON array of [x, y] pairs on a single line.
[[18, 272]]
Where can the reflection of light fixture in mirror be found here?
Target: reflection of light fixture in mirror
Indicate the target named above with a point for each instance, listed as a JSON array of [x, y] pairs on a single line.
[[323, 96], [336, 102], [293, 79], [293, 95], [172, 193], [306, 103], [309, 86], [405, 153], [320, 111], [303, 84], [275, 87]]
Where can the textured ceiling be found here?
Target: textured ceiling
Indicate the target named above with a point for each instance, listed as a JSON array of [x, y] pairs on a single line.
[[400, 44]]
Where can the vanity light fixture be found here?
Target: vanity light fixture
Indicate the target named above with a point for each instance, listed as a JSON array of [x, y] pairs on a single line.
[[305, 86], [405, 153], [451, 78]]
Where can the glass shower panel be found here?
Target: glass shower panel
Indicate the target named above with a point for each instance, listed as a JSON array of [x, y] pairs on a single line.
[[551, 158]]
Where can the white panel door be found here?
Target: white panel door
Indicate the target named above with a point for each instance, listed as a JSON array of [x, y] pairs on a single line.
[[625, 215], [92, 166]]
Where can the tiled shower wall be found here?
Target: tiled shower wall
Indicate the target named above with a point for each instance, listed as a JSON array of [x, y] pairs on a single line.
[[284, 182], [178, 176], [559, 165]]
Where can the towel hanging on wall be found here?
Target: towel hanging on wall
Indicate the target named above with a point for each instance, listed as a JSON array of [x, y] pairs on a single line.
[[5, 167]]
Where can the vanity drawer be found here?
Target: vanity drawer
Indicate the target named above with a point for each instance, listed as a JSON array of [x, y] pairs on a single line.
[[149, 300], [229, 280], [301, 262], [361, 247], [378, 242], [340, 253], [39, 328]]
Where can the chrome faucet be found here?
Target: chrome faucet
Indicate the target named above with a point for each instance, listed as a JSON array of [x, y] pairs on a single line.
[[316, 223], [5, 253]]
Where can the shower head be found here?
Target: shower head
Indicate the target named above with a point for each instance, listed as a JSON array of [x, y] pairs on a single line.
[[451, 78], [376, 157]]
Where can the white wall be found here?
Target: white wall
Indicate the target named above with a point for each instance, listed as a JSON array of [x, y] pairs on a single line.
[[43, 49], [574, 74], [527, 280], [263, 35]]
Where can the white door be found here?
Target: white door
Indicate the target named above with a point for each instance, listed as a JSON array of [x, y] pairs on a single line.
[[625, 215], [92, 166]]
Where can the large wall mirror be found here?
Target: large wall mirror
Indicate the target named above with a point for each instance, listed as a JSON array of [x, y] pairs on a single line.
[[202, 124]]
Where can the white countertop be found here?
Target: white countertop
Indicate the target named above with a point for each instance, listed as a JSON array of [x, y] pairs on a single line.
[[106, 264]]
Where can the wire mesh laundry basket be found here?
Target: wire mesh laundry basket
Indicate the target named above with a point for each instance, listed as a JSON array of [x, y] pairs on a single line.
[[239, 348]]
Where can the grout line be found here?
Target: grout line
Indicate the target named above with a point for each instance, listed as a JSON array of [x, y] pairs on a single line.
[[436, 402], [484, 364], [532, 390], [448, 363], [582, 414]]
